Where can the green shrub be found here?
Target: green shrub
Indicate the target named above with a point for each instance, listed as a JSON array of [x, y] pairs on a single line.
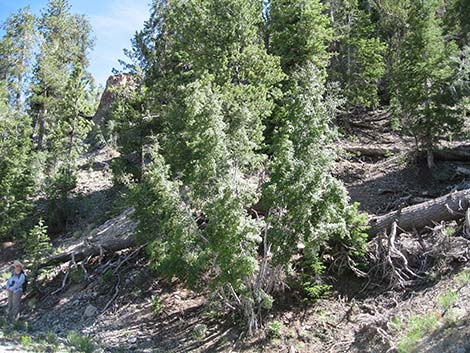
[[396, 324], [312, 281], [50, 337], [21, 325], [200, 331], [463, 277], [77, 275], [60, 207], [157, 305], [26, 341], [274, 330], [82, 343], [107, 277], [38, 244]]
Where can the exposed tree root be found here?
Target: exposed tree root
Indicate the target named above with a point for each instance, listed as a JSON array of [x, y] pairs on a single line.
[[399, 260]]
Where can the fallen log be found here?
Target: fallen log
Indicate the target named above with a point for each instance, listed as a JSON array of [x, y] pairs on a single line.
[[380, 151], [445, 208], [114, 235], [90, 249], [373, 151], [456, 154], [118, 233]]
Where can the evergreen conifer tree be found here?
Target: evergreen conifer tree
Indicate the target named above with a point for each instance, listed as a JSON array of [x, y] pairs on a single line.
[[424, 77]]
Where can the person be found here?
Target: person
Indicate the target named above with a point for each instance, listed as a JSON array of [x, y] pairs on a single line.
[[14, 288]]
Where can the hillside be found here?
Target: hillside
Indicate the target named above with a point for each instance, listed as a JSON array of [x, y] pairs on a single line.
[[286, 176], [113, 301]]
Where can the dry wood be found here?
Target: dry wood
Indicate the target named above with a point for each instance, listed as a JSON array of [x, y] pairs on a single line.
[[91, 249], [456, 154], [113, 235], [445, 208], [373, 151]]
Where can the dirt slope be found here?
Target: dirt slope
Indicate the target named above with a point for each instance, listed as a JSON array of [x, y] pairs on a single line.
[[123, 308]]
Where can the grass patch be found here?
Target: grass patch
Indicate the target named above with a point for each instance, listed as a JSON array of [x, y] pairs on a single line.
[[448, 299], [463, 278], [26, 341], [107, 277], [81, 343], [418, 327]]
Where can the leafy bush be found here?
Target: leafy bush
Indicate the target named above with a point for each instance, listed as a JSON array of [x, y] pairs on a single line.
[[157, 305], [82, 343], [107, 277], [26, 341], [274, 330]]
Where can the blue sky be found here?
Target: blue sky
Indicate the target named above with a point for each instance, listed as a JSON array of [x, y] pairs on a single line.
[[114, 23]]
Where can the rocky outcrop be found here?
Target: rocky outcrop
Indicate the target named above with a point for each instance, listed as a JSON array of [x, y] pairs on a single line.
[[114, 85]]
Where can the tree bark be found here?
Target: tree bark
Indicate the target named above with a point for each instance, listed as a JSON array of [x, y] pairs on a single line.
[[113, 235], [445, 208], [447, 154], [373, 151], [91, 249], [457, 154]]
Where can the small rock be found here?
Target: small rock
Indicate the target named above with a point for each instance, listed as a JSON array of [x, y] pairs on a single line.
[[292, 349], [132, 340], [90, 311]]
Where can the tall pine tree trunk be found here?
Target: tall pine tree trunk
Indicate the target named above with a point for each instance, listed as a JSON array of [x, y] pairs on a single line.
[[429, 138], [42, 129]]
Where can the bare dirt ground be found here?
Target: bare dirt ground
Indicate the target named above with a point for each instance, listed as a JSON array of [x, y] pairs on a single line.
[[119, 312]]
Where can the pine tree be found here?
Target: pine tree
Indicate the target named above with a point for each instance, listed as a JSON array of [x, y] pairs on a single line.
[[391, 18], [66, 144], [305, 201], [299, 32], [37, 244], [60, 99], [217, 95], [16, 180], [306, 204], [16, 51], [424, 77], [456, 21], [71, 129], [65, 42], [359, 61]]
